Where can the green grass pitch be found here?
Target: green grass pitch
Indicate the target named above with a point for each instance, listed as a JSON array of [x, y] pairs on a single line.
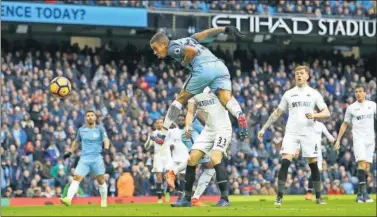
[[241, 206]]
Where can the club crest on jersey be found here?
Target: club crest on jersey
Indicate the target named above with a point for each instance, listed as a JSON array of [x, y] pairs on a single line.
[[308, 95], [94, 135]]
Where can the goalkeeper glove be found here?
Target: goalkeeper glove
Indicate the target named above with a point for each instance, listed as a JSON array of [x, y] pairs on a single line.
[[67, 155], [232, 30]]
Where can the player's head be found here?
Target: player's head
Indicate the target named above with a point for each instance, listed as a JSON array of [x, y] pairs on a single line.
[[181, 121], [90, 117], [360, 93], [159, 44], [301, 75], [158, 124]]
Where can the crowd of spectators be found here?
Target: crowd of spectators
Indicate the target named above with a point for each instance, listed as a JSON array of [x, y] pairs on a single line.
[[318, 8], [129, 89]]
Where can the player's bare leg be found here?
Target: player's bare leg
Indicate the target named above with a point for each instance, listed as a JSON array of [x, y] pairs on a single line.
[[195, 156], [159, 187], [102, 189], [231, 104], [172, 114], [221, 177], [203, 182], [72, 190], [286, 160], [316, 178]]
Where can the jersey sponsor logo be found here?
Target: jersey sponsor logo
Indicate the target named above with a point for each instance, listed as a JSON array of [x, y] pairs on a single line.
[[301, 104], [362, 117], [207, 102]]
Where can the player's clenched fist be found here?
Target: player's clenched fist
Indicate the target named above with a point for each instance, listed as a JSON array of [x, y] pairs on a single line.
[[260, 135], [337, 144]]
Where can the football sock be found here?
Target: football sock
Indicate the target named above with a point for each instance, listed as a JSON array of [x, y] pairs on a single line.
[[103, 191], [316, 177], [159, 190], [362, 188], [222, 180], [172, 114], [189, 181], [179, 186], [282, 176], [203, 182], [234, 107], [182, 166], [310, 185], [73, 187]]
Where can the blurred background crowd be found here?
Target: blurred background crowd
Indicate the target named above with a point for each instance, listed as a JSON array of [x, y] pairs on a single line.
[[129, 89], [316, 8]]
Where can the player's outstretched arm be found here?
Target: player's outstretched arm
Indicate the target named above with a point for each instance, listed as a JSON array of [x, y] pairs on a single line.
[[342, 130], [273, 117], [209, 33]]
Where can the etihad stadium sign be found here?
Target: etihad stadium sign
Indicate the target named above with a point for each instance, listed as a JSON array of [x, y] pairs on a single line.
[[298, 25]]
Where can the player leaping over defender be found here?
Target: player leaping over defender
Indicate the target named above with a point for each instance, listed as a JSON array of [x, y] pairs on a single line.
[[91, 138], [206, 70], [213, 141]]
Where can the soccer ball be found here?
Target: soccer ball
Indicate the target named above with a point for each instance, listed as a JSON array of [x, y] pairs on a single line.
[[60, 87]]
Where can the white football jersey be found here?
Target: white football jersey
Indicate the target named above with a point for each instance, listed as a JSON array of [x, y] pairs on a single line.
[[300, 101], [180, 151], [361, 116], [216, 116], [319, 129], [159, 150]]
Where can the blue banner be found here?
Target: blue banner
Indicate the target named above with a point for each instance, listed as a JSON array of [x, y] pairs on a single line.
[[73, 14]]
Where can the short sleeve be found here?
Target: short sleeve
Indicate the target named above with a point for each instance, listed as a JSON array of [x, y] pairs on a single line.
[[193, 36], [348, 115], [78, 136], [176, 50], [283, 105], [320, 103], [103, 133]]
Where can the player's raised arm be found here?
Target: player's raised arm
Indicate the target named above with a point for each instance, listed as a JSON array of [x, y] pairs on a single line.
[[209, 33]]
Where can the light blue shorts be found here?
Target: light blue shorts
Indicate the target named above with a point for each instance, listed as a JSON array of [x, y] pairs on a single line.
[[214, 75], [95, 165]]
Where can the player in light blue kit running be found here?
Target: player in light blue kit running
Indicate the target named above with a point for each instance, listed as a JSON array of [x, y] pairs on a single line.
[[206, 70], [91, 138]]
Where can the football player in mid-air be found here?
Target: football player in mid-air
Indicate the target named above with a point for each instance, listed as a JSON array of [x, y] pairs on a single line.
[[92, 138], [361, 114], [212, 141], [300, 101], [206, 70]]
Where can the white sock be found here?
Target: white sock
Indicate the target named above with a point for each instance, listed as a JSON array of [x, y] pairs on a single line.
[[103, 191], [72, 190], [172, 114], [234, 107], [181, 167], [203, 182]]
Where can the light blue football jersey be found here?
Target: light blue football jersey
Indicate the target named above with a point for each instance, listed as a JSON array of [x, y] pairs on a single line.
[[91, 140]]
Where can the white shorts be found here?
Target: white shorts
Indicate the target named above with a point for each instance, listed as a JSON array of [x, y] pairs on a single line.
[[364, 151], [212, 140], [161, 164], [319, 157], [309, 148]]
